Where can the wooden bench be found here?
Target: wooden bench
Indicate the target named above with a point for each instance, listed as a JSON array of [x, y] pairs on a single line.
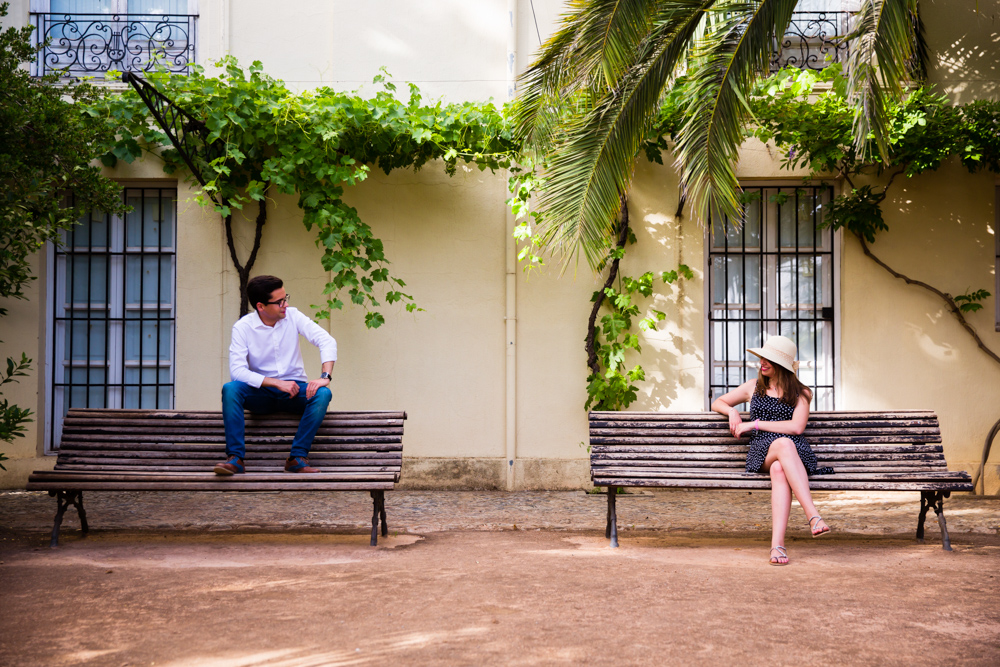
[[883, 451], [167, 450]]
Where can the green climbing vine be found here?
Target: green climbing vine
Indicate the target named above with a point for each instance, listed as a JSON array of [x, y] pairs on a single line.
[[610, 341], [263, 137], [807, 116]]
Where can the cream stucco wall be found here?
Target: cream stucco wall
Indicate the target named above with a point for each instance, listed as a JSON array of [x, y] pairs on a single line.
[[447, 237], [901, 346]]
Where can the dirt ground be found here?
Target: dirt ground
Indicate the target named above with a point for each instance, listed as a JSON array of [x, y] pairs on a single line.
[[510, 597]]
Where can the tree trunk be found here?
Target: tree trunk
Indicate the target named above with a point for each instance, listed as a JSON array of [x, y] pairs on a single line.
[[592, 362]]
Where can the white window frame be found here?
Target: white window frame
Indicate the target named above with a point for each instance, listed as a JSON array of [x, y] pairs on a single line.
[[115, 363], [836, 278]]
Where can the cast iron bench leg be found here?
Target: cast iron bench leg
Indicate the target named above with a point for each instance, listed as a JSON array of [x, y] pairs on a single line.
[[375, 511], [935, 499], [381, 511], [612, 530], [63, 500]]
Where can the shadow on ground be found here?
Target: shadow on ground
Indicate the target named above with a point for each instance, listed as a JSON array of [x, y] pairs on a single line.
[[513, 597]]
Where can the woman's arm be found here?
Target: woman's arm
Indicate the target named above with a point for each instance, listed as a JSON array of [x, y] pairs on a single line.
[[726, 404], [794, 426]]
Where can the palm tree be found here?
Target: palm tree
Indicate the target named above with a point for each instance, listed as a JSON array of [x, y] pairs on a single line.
[[594, 91]]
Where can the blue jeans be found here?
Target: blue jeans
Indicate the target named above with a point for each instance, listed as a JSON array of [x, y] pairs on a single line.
[[239, 396]]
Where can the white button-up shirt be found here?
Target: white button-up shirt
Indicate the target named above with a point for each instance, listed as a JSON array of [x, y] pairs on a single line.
[[258, 351]]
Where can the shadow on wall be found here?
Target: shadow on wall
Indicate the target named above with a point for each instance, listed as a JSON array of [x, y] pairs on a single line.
[[967, 67], [672, 354]]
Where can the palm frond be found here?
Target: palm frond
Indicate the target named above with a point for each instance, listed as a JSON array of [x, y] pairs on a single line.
[[596, 45], [732, 57], [887, 49], [592, 160]]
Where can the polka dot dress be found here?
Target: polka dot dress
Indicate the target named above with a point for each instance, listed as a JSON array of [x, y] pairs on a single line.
[[770, 409]]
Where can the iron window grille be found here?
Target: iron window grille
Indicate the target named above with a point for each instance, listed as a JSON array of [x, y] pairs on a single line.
[[813, 40], [91, 44], [113, 309], [773, 272]]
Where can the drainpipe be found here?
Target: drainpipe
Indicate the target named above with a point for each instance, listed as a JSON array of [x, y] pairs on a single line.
[[510, 319], [225, 27]]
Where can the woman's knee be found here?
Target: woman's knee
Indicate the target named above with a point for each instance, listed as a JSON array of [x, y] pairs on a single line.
[[777, 472], [782, 446]]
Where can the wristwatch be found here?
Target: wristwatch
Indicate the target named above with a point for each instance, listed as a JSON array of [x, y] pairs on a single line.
[[324, 376]]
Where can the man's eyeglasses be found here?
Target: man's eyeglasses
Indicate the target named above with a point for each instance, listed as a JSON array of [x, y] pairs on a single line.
[[279, 302]]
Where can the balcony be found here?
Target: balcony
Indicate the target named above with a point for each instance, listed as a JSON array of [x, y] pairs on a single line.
[[813, 41], [91, 44]]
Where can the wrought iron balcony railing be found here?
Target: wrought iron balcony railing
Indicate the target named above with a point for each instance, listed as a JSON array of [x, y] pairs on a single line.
[[813, 41], [91, 44]]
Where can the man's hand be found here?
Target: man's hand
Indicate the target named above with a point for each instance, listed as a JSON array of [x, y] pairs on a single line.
[[290, 387], [314, 385]]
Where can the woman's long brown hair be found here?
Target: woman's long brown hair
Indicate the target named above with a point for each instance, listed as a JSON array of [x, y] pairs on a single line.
[[787, 383]]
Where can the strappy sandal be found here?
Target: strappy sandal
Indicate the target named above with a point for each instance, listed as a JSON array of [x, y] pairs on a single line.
[[781, 554], [812, 525]]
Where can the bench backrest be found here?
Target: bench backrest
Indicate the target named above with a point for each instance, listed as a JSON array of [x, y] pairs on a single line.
[[181, 441], [863, 448]]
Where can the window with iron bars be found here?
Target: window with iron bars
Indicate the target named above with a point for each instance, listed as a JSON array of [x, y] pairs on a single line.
[[87, 38], [113, 307], [773, 272]]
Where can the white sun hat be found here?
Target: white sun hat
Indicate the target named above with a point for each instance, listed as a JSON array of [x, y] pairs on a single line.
[[779, 350]]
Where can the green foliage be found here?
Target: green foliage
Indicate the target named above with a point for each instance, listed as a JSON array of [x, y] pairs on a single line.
[[614, 387], [13, 418], [859, 211], [969, 302], [46, 146], [807, 115], [312, 144]]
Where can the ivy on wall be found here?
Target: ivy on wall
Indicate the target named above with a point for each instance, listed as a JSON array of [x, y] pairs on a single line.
[[807, 115], [315, 144]]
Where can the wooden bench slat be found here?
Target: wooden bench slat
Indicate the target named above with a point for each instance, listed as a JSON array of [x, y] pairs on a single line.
[[251, 469], [719, 440], [209, 486], [208, 476], [381, 446], [73, 423], [917, 426], [819, 415], [762, 484], [696, 473], [180, 415]]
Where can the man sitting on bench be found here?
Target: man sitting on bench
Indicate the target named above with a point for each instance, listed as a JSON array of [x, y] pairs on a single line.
[[265, 365]]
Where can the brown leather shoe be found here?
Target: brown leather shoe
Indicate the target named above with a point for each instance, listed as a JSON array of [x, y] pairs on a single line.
[[298, 464], [231, 466]]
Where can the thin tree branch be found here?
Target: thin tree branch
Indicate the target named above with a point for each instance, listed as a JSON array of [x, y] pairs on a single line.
[[947, 298], [595, 367], [243, 271]]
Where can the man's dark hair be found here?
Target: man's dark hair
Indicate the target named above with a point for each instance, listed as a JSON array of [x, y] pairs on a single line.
[[259, 289]]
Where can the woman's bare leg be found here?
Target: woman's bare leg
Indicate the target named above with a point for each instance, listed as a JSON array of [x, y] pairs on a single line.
[[781, 507], [783, 450]]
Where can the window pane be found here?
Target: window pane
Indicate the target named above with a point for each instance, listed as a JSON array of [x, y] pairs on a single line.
[[148, 340], [150, 223], [797, 222], [736, 280], [88, 341], [148, 280]]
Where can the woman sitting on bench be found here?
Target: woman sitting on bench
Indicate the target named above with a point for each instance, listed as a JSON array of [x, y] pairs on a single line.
[[779, 410]]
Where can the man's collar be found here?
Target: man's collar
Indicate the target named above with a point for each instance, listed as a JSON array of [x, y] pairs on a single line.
[[259, 323]]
